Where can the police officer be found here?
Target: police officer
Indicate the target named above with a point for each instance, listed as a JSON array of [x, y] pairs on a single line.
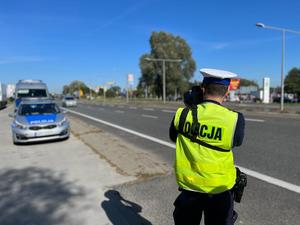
[[205, 135]]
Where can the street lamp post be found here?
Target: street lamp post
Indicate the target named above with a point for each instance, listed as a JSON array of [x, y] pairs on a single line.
[[104, 96], [164, 71], [105, 87], [283, 30]]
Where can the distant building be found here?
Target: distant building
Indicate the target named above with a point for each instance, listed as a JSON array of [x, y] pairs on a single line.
[[247, 90], [248, 94]]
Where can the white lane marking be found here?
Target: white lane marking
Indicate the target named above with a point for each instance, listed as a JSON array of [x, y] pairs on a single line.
[[165, 143], [97, 107], [119, 111], [149, 116], [168, 111], [252, 173], [255, 120], [271, 180], [132, 107], [148, 109]]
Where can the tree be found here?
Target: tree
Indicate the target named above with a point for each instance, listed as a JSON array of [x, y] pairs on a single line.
[[166, 46], [74, 87], [246, 83], [100, 91], [113, 91], [292, 81], [66, 89], [275, 89]]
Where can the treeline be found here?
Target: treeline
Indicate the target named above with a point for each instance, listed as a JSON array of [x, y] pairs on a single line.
[[76, 87], [179, 68], [247, 83], [292, 81]]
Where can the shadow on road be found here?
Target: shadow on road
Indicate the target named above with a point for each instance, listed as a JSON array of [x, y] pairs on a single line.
[[33, 196], [121, 211]]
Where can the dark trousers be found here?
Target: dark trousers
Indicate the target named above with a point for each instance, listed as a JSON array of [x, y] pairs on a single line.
[[218, 208]]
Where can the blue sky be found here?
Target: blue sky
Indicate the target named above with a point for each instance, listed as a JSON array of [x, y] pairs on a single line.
[[99, 41]]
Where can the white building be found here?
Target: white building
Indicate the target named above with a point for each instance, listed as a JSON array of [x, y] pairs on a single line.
[[266, 90], [10, 90]]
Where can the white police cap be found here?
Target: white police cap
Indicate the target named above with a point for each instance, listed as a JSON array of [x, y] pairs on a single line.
[[217, 76]]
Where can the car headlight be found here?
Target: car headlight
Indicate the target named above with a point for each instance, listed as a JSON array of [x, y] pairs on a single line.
[[19, 125], [63, 122]]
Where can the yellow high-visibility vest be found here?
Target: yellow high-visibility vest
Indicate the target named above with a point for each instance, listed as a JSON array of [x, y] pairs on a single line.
[[204, 168]]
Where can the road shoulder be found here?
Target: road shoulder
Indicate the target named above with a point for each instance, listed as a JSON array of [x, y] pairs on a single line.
[[124, 157], [65, 182]]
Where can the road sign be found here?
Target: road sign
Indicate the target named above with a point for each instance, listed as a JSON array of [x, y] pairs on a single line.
[[130, 79], [234, 84]]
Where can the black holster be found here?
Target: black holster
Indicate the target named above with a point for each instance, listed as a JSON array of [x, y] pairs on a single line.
[[240, 184]]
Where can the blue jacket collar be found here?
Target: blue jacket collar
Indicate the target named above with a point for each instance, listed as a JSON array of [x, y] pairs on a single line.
[[212, 101]]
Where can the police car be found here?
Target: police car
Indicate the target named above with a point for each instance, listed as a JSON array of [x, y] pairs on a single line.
[[39, 120]]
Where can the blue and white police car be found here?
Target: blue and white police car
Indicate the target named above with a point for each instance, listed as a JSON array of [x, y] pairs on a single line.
[[39, 120]]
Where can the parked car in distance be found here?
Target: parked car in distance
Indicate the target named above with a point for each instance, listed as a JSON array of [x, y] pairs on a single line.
[[286, 100], [39, 120], [69, 101]]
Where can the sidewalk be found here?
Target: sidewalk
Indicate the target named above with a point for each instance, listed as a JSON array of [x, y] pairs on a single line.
[[60, 182]]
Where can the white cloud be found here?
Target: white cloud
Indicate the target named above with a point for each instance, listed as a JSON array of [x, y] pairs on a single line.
[[20, 59], [221, 45], [127, 12]]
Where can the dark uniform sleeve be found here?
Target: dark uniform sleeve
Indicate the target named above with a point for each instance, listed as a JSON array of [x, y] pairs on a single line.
[[172, 131], [239, 131]]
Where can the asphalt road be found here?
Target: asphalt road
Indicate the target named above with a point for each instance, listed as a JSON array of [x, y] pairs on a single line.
[[271, 147]]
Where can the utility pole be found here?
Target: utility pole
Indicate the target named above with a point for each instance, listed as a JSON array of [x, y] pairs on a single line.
[[164, 71]]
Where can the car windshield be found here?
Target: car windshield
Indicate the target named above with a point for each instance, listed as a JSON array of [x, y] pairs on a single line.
[[38, 109], [69, 98], [29, 93]]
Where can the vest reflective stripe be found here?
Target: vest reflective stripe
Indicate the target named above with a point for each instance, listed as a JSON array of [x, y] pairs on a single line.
[[187, 175], [200, 168]]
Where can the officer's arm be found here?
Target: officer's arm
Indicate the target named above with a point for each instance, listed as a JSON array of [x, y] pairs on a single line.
[[239, 131], [172, 131]]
